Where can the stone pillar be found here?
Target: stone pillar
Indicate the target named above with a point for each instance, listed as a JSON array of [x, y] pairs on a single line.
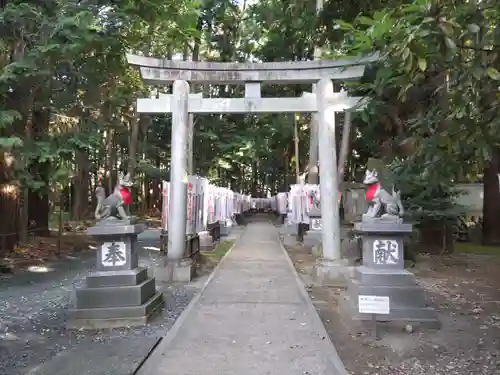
[[190, 156], [329, 267], [312, 175], [178, 266], [119, 293], [178, 172], [382, 274]]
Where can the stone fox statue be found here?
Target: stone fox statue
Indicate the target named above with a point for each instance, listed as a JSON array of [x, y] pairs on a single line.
[[113, 206], [383, 206]]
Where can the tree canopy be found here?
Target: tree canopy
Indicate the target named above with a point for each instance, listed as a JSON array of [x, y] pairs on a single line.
[[67, 96]]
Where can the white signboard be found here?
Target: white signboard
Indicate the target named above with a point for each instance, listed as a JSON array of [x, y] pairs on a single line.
[[316, 224], [374, 305]]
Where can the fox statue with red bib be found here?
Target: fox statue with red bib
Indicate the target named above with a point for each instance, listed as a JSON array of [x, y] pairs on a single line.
[[383, 206], [113, 206]]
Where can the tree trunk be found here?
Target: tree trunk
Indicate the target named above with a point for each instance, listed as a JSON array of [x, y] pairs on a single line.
[[9, 204], [296, 144], [111, 161], [38, 213], [144, 195], [132, 146], [491, 201], [285, 174], [241, 180], [345, 146], [38, 200], [138, 126], [255, 178], [157, 187], [80, 201], [24, 223]]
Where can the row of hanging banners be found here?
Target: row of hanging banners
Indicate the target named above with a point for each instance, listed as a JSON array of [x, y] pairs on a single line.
[[301, 201], [298, 203], [263, 204], [207, 205]]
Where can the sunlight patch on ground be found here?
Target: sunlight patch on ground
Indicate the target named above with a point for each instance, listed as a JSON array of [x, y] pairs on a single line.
[[40, 269]]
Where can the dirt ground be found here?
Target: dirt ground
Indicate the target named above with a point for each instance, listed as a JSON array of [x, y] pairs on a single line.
[[465, 290]]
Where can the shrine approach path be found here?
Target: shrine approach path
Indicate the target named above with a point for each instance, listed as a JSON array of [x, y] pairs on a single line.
[[253, 317]]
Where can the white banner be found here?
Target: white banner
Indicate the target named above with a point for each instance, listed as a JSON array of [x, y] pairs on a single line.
[[206, 204]]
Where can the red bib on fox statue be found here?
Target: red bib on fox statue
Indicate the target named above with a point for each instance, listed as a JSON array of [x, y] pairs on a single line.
[[370, 192], [126, 196]]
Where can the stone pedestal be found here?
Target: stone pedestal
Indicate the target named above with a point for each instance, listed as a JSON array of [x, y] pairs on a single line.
[[240, 219], [192, 249], [291, 229], [192, 245], [350, 246], [314, 236], [382, 274], [289, 241], [182, 270], [281, 218], [206, 241], [234, 221], [312, 239], [331, 272], [215, 230], [163, 242], [225, 227], [119, 293]]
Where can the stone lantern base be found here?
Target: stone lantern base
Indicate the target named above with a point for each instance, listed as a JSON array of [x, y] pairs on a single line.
[[383, 274], [119, 293]]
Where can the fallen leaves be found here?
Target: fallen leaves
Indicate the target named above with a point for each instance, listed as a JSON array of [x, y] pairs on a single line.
[[41, 249]]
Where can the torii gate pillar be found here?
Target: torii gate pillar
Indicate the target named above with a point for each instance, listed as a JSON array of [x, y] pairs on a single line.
[[177, 267], [178, 172], [330, 267]]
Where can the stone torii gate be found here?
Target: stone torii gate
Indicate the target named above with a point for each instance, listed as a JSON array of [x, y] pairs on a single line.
[[324, 101]]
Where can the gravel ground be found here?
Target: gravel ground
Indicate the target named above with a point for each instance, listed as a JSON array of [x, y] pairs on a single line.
[[465, 290], [33, 310]]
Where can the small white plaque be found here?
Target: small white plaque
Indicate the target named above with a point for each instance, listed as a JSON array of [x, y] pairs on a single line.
[[316, 224], [374, 305], [113, 254]]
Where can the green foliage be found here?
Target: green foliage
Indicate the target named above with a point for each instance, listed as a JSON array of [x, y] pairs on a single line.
[[8, 143], [68, 59], [433, 113], [468, 248], [434, 107]]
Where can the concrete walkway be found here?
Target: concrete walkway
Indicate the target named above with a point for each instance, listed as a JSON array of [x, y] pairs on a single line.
[[252, 318]]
